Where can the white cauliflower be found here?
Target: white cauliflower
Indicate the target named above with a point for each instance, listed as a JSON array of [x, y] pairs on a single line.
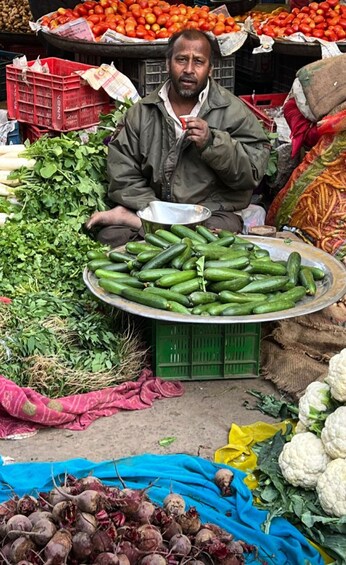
[[333, 435], [315, 405], [331, 488], [336, 377], [300, 428], [303, 460]]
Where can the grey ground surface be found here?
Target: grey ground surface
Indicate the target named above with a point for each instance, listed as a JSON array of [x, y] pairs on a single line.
[[199, 420]]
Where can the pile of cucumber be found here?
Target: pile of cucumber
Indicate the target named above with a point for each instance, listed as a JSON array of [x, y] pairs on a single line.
[[200, 272]]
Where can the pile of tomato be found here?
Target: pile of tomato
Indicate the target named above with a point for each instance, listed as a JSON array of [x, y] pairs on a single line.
[[142, 19], [325, 20]]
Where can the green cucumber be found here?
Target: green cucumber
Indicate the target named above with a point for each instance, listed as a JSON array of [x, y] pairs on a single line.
[[119, 257], [94, 254], [113, 287], [145, 298], [294, 294], [175, 278], [217, 308], [233, 285], [169, 295], [112, 275], [273, 306], [206, 233], [154, 239], [225, 241], [306, 278], [188, 286], [266, 267], [151, 275], [215, 252], [317, 273], [236, 263], [136, 247], [223, 274], [269, 284], [239, 309], [178, 307], [239, 298], [179, 261], [190, 263], [200, 308], [293, 266], [184, 231], [145, 256], [259, 253], [117, 267], [95, 264], [168, 236], [201, 297], [166, 256]]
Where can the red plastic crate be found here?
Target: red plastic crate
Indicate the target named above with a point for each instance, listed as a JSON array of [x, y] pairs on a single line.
[[32, 133], [261, 103], [60, 100]]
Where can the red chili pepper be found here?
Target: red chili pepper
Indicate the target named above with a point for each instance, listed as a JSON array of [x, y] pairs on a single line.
[[5, 300]]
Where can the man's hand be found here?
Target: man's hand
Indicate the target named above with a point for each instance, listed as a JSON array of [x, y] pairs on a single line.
[[197, 130], [116, 216]]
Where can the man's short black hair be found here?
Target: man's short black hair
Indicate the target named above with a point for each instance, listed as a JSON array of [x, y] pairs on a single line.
[[190, 35]]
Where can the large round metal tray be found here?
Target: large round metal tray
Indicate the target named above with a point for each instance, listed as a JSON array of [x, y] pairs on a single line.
[[329, 291]]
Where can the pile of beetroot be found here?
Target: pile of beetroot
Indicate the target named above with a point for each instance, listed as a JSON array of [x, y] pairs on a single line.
[[85, 521]]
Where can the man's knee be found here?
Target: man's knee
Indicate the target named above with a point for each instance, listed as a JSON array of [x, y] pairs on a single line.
[[115, 236]]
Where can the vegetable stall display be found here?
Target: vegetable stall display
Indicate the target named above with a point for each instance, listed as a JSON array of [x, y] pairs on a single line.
[[200, 272], [322, 20], [146, 19], [86, 521]]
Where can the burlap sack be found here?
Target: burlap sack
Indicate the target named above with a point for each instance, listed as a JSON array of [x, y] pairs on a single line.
[[296, 351], [324, 84]]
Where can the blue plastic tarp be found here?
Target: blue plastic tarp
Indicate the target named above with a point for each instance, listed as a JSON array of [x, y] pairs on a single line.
[[193, 478]]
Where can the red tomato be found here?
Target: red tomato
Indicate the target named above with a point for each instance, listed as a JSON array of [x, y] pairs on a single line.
[[218, 29], [94, 18]]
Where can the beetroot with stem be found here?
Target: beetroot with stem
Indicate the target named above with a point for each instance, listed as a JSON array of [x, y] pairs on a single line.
[[150, 538], [129, 550], [101, 542], [106, 559], [8, 508], [42, 532], [85, 523], [58, 548], [38, 515], [190, 521], [145, 512], [26, 505], [17, 525], [203, 537], [180, 545], [174, 504], [153, 559], [21, 549], [223, 479], [123, 559], [81, 546], [65, 513], [89, 501]]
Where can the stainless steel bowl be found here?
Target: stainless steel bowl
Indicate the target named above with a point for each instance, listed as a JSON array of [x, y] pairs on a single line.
[[162, 215]]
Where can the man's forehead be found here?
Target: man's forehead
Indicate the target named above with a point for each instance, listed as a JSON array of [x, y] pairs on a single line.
[[198, 46]]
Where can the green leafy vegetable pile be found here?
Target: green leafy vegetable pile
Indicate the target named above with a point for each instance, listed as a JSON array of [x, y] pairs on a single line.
[[55, 337]]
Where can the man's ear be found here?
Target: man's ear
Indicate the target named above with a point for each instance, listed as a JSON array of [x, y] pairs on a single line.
[[167, 65], [211, 68]]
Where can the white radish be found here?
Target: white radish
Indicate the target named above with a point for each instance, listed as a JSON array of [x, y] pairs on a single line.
[[9, 164], [5, 180], [13, 148]]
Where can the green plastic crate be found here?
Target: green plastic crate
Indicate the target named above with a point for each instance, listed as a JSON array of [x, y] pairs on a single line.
[[192, 352]]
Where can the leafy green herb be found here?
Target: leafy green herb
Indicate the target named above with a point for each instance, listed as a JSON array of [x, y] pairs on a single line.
[[269, 404], [166, 441]]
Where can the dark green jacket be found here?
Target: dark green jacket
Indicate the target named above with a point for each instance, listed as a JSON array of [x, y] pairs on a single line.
[[146, 164]]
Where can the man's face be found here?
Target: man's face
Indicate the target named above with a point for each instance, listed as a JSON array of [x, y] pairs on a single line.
[[189, 67]]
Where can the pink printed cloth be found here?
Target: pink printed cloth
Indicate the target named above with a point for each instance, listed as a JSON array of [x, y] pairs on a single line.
[[23, 411]]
